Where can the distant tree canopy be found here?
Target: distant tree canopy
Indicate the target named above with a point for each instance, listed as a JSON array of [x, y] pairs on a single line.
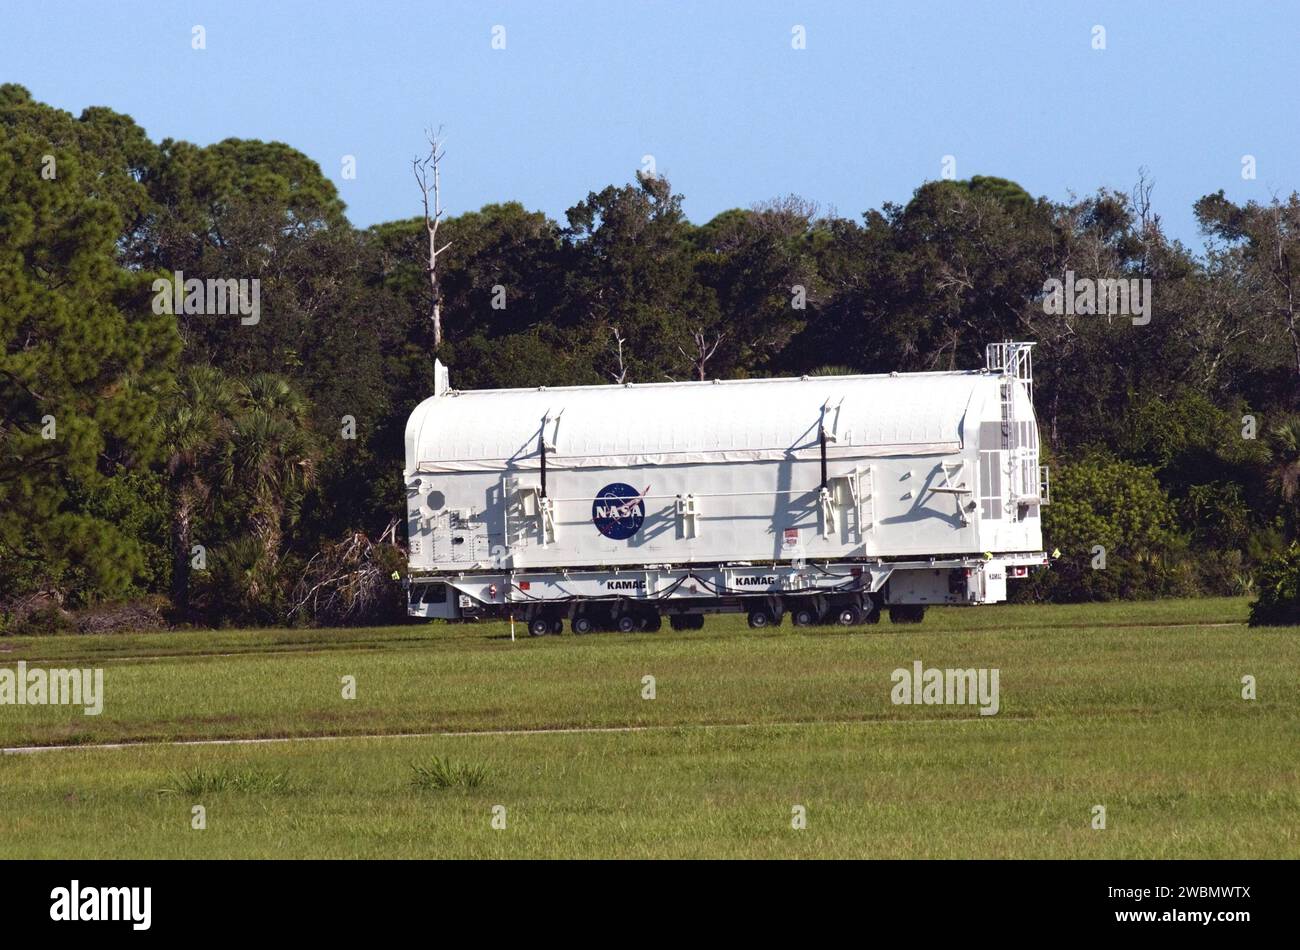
[[197, 456]]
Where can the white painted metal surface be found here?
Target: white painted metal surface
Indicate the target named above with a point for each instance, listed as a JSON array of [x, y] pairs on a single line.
[[924, 464]]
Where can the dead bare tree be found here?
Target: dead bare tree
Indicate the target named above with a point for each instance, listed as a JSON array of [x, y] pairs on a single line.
[[786, 217], [1280, 228], [348, 580], [427, 176], [1148, 222], [704, 351], [621, 376]]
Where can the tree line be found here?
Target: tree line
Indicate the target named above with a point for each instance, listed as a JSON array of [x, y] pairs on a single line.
[[236, 472]]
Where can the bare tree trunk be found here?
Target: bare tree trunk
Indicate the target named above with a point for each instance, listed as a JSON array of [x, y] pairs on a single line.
[[428, 177], [704, 351], [621, 376], [265, 522], [180, 532]]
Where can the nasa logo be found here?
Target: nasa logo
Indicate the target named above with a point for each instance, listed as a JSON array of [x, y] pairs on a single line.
[[619, 511]]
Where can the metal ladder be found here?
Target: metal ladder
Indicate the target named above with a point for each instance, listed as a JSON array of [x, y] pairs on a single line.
[[1026, 480]]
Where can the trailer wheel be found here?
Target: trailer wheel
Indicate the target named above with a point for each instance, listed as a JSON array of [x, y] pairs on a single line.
[[539, 626], [850, 615], [557, 626], [804, 616], [686, 621], [625, 624], [758, 619], [581, 624], [906, 613], [651, 623]]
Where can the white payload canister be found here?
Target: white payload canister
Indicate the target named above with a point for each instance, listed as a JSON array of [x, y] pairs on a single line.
[[839, 469]]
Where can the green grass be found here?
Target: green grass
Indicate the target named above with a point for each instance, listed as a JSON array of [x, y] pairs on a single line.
[[200, 781], [443, 773], [1133, 706]]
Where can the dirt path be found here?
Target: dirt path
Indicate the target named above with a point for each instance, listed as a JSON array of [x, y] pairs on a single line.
[[573, 730]]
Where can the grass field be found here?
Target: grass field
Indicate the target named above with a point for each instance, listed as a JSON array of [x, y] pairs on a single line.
[[1136, 707]]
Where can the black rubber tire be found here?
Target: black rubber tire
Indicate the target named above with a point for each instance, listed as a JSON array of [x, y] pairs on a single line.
[[539, 626], [758, 619], [581, 625], [804, 617], [907, 613], [848, 615], [625, 624], [652, 623], [557, 626]]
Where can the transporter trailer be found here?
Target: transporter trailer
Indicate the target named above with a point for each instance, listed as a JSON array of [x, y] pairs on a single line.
[[826, 498]]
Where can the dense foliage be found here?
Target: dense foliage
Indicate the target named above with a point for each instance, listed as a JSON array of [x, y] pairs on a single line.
[[1279, 589], [213, 460]]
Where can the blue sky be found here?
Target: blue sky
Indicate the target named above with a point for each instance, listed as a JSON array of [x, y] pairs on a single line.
[[731, 113]]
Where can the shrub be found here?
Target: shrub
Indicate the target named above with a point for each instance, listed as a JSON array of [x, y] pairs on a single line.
[[1116, 505], [1278, 579], [1224, 574], [38, 615], [244, 584]]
